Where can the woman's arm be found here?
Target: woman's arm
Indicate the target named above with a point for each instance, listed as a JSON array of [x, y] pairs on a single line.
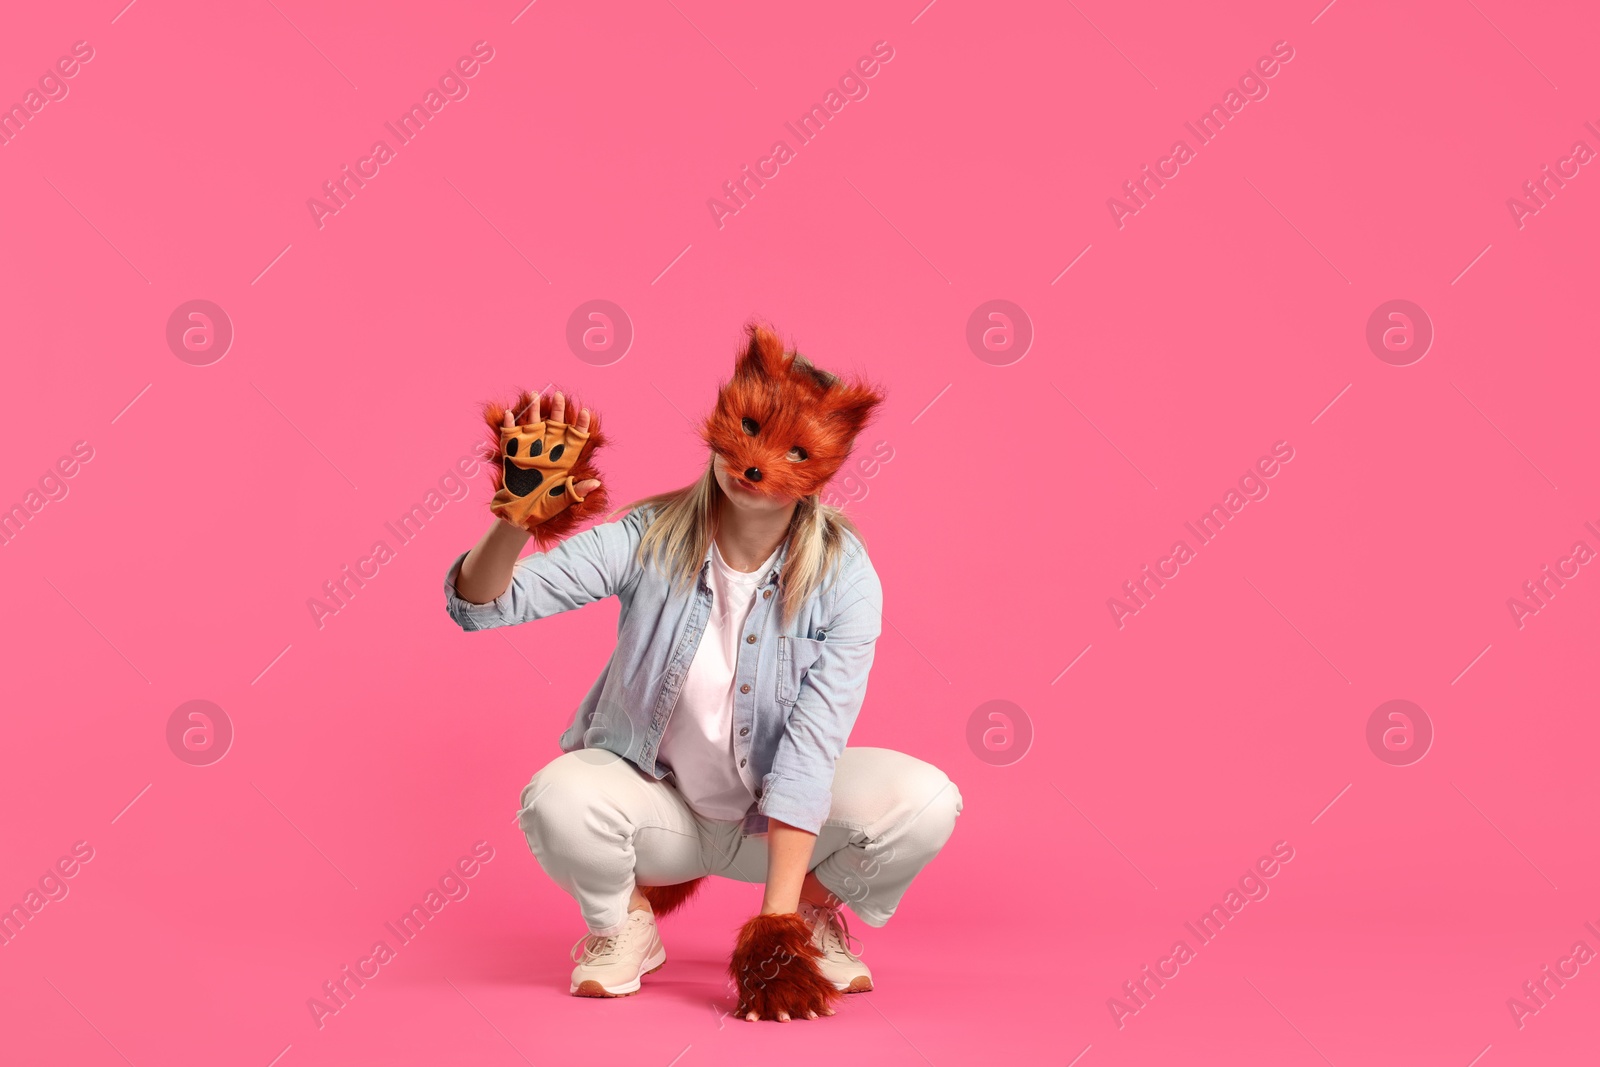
[[799, 788], [788, 859], [588, 566], [486, 572], [774, 960]]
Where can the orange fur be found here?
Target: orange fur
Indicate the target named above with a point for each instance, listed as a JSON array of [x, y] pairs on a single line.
[[791, 406], [666, 899], [774, 967], [546, 534]]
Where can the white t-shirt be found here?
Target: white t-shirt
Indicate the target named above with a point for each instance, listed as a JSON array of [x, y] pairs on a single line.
[[698, 745]]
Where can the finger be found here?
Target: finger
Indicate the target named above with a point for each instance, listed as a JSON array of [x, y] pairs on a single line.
[[750, 1018], [583, 421], [558, 410], [783, 1016], [811, 1015], [530, 414], [508, 422], [587, 486]]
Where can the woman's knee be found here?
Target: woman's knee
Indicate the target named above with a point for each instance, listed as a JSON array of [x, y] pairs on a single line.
[[920, 801], [938, 803], [569, 796]]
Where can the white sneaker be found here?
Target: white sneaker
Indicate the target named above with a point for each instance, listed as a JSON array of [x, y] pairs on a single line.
[[838, 964], [612, 966]]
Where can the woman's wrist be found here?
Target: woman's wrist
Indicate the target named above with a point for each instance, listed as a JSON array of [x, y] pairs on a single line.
[[487, 571], [788, 858], [780, 903]]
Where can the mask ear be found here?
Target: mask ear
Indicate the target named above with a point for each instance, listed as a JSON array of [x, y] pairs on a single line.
[[763, 358], [852, 406]]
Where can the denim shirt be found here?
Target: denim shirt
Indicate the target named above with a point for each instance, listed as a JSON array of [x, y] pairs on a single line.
[[797, 688]]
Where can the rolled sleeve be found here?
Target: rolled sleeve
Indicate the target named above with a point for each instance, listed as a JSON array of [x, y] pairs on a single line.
[[799, 788], [588, 566]]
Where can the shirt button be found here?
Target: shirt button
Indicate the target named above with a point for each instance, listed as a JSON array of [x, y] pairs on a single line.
[[745, 688], [743, 730], [743, 762], [750, 640], [766, 594]]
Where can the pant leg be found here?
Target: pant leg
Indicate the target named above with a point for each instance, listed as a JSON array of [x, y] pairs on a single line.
[[598, 825], [891, 815]]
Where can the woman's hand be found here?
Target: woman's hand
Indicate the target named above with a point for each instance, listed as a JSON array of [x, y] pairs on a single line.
[[774, 965], [774, 968], [535, 457], [487, 571]]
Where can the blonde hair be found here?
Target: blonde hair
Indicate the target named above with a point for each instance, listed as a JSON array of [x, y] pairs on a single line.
[[679, 536]]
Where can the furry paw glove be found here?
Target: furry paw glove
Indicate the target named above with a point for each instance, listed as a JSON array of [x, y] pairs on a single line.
[[774, 967], [536, 464]]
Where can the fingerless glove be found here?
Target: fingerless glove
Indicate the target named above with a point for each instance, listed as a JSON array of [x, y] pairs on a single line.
[[536, 463]]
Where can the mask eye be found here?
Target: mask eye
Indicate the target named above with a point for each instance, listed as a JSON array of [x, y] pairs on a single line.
[[751, 426], [798, 454]]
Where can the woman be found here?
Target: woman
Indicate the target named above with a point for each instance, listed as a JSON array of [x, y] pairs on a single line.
[[714, 741]]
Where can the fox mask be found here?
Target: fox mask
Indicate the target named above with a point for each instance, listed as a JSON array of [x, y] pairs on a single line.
[[783, 424]]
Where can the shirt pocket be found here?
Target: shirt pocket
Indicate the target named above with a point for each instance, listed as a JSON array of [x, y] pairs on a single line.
[[796, 655]]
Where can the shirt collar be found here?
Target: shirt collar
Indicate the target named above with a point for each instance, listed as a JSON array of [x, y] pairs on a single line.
[[769, 578]]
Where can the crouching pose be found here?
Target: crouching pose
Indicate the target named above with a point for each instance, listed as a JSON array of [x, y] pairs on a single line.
[[714, 743]]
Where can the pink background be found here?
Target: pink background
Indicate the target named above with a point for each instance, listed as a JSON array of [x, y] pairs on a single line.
[[1227, 715]]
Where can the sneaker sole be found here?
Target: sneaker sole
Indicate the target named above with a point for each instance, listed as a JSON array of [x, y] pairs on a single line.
[[591, 988]]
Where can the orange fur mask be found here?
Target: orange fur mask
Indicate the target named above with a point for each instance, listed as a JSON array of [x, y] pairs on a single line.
[[784, 425]]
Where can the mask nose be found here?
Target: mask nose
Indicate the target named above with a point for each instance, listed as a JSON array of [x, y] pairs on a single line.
[[752, 474]]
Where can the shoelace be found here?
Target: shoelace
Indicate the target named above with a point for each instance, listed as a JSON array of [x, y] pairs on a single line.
[[834, 926], [593, 947], [596, 947]]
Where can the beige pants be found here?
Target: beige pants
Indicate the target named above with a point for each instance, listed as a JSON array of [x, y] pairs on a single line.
[[599, 825]]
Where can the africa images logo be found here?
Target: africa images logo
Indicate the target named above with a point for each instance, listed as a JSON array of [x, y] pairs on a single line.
[[453, 887], [452, 87], [1139, 991], [809, 126], [1207, 128], [1137, 593]]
